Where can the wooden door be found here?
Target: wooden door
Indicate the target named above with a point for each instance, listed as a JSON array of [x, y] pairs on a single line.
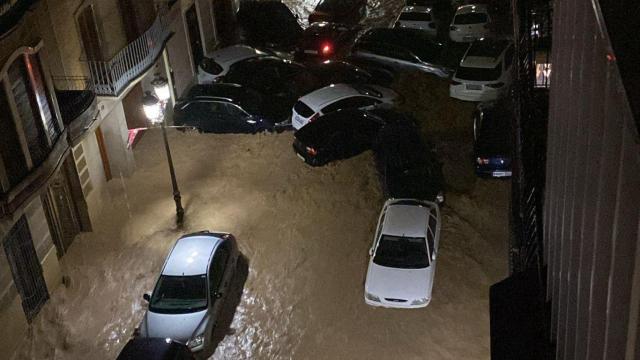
[[103, 153], [62, 214], [89, 33]]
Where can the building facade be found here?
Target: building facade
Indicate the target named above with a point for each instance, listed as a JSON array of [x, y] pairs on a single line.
[[72, 77]]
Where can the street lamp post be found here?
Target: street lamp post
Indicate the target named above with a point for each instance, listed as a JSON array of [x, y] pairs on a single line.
[[154, 109]]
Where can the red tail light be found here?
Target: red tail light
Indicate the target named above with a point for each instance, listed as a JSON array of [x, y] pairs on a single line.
[[326, 49], [314, 117], [311, 151], [482, 161]]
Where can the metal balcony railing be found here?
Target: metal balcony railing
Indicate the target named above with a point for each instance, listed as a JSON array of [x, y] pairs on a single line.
[[111, 77]]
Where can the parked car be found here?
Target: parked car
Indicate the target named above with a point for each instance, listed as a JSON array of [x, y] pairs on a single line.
[[230, 108], [338, 96], [340, 134], [470, 23], [189, 293], [403, 256], [141, 348], [403, 49], [218, 63], [324, 40], [408, 168], [339, 11], [287, 80], [418, 18], [493, 140], [268, 24], [485, 72]]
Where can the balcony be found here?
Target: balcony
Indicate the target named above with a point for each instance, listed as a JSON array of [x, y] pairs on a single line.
[[11, 11], [77, 103], [111, 78]]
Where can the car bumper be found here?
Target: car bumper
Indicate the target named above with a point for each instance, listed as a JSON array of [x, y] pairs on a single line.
[[395, 305], [457, 36], [485, 95]]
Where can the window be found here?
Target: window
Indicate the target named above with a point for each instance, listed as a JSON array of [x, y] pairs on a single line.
[[179, 294], [217, 269], [302, 109], [14, 162], [415, 16], [471, 18], [34, 106], [402, 252], [479, 74], [431, 233], [354, 102]]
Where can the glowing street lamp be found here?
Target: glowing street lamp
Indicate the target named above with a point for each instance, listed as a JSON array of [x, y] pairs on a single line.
[[154, 106]]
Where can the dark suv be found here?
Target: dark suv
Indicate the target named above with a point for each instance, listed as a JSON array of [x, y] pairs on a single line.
[[230, 108]]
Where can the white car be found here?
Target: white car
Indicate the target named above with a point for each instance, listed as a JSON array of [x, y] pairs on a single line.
[[485, 72], [188, 296], [402, 261], [217, 63], [338, 96], [471, 22], [418, 18]]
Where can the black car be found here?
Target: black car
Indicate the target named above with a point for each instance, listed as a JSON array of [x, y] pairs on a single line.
[[268, 24], [339, 11], [337, 135], [493, 140], [287, 80], [141, 348], [322, 41], [408, 168], [400, 49], [230, 108], [344, 133]]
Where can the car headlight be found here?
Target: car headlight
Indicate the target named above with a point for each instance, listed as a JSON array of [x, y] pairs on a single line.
[[371, 297], [440, 198], [420, 301], [196, 341]]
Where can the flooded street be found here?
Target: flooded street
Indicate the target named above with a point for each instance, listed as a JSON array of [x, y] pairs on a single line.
[[305, 233]]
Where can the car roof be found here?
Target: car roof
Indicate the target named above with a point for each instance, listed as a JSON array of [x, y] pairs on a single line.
[[477, 8], [417, 9], [334, 92], [485, 53], [190, 255], [234, 53], [406, 220], [418, 42]]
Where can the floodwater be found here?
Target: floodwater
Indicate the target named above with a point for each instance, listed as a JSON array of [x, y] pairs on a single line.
[[305, 233]]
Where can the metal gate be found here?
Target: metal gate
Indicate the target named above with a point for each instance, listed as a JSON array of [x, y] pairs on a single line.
[[25, 268]]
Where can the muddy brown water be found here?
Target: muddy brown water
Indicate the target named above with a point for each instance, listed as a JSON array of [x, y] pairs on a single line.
[[305, 233]]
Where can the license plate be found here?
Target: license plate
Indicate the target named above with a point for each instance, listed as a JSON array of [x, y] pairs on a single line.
[[301, 157], [474, 87], [315, 52], [501, 173]]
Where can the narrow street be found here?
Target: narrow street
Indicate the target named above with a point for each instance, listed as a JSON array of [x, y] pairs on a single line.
[[305, 233]]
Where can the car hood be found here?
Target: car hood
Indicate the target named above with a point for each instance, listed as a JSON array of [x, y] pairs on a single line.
[[408, 284], [178, 327], [232, 54]]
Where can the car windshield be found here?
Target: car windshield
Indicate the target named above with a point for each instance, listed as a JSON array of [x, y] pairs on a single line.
[[470, 18], [402, 252], [179, 294], [415, 16], [479, 74]]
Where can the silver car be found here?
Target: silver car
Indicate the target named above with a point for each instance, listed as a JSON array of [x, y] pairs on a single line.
[[188, 296]]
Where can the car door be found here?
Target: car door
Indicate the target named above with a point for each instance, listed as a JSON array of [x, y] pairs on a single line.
[[239, 121], [216, 278], [213, 117], [193, 114]]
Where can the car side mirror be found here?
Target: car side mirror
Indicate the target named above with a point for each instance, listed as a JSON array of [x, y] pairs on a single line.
[[433, 256], [217, 295], [371, 252], [146, 297]]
